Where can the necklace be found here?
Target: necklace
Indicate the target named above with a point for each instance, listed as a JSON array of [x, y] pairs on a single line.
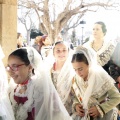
[[24, 83], [85, 84], [96, 47], [23, 87]]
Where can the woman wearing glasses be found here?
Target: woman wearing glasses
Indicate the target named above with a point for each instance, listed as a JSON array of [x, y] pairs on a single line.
[[6, 112], [33, 97]]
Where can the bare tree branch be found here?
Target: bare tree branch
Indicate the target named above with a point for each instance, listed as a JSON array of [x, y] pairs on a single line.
[[52, 21]]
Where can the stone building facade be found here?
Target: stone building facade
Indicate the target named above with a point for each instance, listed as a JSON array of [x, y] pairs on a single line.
[[8, 26]]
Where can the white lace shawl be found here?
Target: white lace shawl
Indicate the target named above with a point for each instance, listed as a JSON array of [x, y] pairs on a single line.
[[64, 80], [47, 103], [99, 82], [104, 54]]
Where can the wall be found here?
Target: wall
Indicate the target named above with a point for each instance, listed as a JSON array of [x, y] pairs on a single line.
[[8, 26]]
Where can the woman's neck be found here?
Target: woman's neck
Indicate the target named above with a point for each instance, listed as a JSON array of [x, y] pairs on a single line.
[[97, 44], [59, 65], [98, 40], [25, 82], [86, 78]]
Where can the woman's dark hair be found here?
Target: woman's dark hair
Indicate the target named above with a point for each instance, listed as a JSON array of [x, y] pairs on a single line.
[[41, 40], [22, 55], [79, 57], [103, 26], [59, 42]]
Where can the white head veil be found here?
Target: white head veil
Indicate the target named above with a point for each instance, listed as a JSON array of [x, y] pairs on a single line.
[[64, 79], [99, 82], [48, 105], [6, 112]]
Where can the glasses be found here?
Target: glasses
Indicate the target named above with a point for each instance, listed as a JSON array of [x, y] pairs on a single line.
[[13, 68]]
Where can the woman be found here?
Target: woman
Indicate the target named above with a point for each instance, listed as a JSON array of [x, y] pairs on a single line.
[[103, 47], [62, 73], [42, 44], [96, 95], [115, 65], [34, 96], [115, 69], [6, 112], [20, 39]]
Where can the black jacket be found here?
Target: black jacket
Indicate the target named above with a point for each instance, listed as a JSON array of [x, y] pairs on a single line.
[[114, 71]]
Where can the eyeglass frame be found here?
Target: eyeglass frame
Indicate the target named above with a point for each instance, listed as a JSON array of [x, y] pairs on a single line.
[[8, 68]]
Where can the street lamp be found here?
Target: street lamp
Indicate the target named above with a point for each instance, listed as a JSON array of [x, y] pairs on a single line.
[[82, 23]]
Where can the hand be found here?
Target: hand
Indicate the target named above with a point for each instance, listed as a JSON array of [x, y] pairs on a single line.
[[79, 109], [93, 112]]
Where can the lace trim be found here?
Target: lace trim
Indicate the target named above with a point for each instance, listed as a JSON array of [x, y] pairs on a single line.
[[100, 111], [54, 77], [62, 84], [105, 87], [23, 94], [104, 57], [21, 110], [77, 91]]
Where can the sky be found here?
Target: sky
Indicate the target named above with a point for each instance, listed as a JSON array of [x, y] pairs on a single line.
[[111, 18]]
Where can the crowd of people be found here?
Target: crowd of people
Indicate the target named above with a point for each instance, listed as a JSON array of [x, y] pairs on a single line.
[[63, 84]]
